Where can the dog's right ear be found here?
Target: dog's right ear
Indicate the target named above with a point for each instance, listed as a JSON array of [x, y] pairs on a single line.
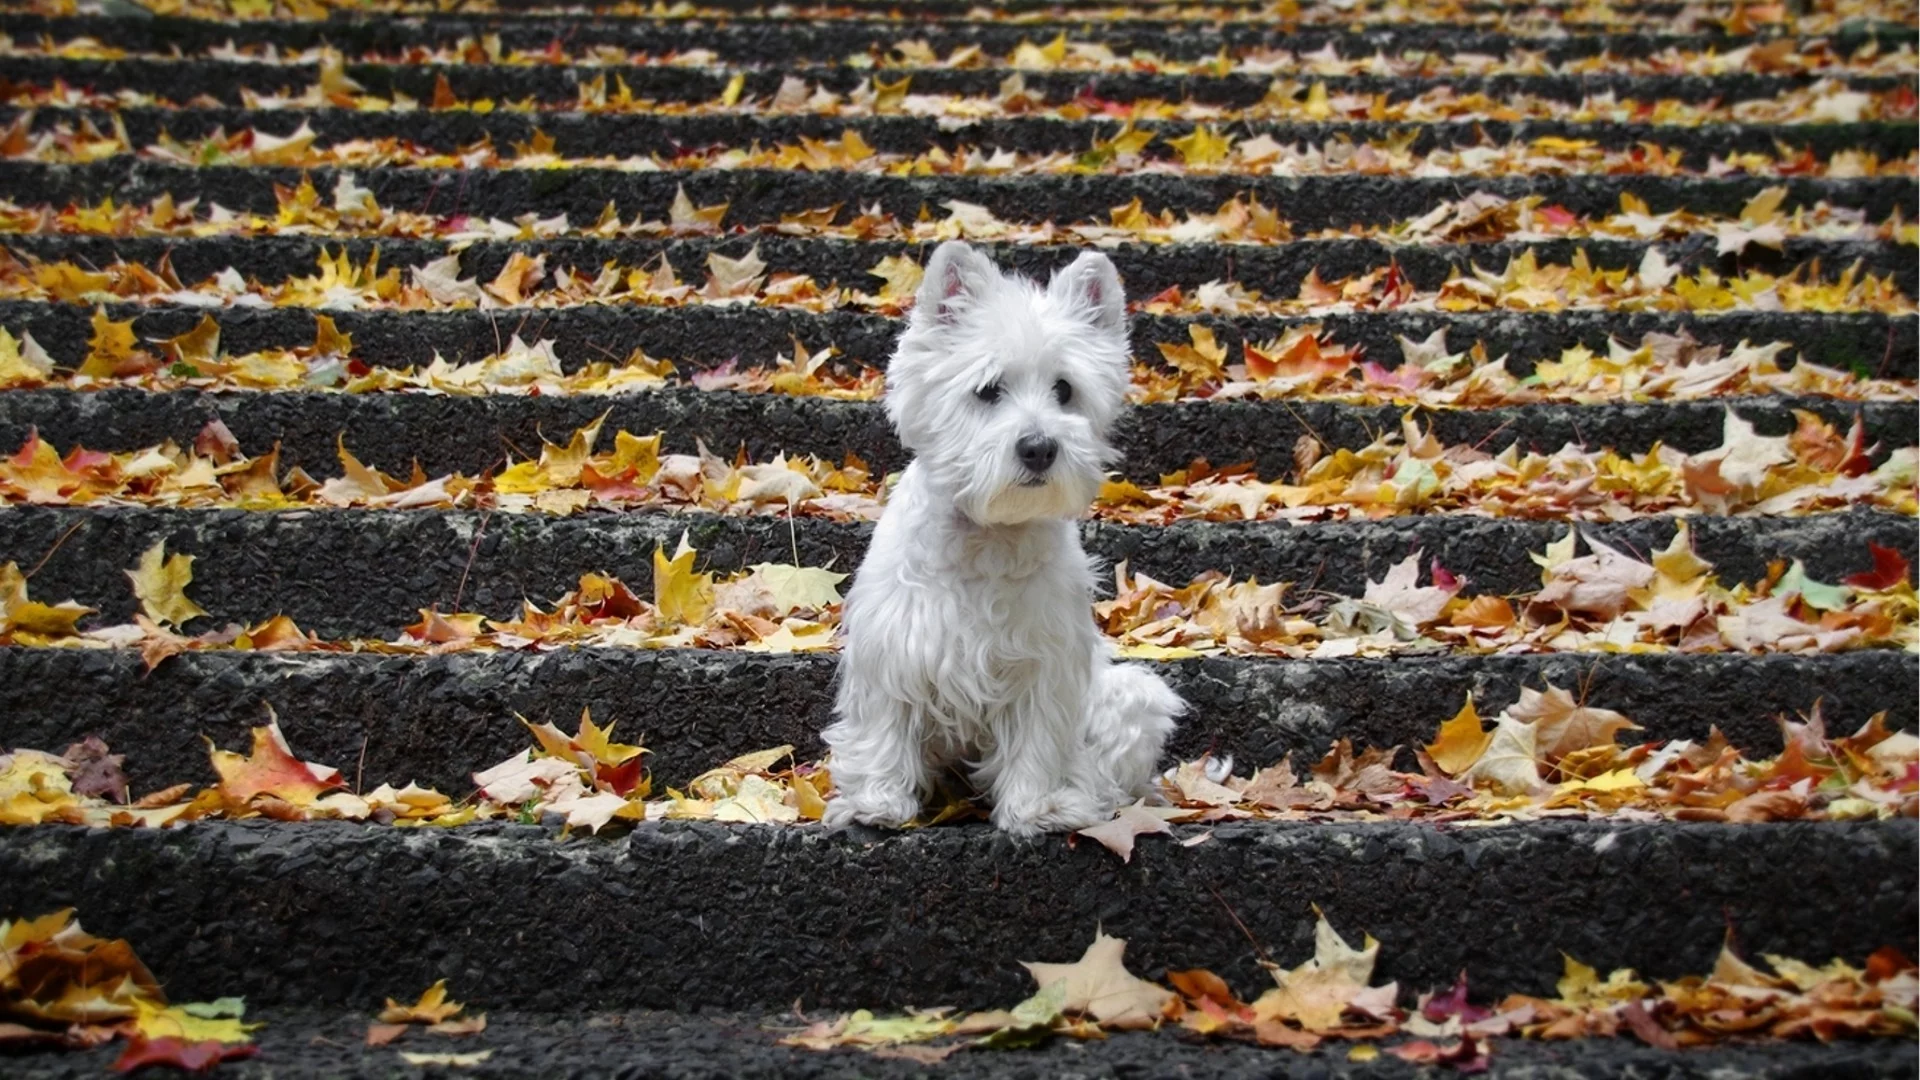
[[956, 279]]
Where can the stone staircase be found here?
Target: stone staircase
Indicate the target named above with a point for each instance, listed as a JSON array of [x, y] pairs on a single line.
[[665, 950]]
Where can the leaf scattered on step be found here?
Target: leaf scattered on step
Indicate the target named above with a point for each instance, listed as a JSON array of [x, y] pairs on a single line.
[[160, 582], [1127, 826], [1100, 985]]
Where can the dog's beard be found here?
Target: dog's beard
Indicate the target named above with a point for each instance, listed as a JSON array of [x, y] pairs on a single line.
[[1000, 491]]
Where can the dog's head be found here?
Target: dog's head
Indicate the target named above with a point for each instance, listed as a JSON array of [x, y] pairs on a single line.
[[1005, 391]]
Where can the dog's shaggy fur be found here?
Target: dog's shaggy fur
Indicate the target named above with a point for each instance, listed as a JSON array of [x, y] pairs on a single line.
[[968, 636]]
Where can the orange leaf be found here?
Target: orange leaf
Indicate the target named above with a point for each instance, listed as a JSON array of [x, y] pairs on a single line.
[[271, 770]]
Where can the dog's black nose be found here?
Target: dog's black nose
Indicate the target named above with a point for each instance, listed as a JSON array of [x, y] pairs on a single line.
[[1036, 452]]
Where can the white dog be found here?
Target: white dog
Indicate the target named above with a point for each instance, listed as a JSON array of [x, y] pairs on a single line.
[[968, 633]]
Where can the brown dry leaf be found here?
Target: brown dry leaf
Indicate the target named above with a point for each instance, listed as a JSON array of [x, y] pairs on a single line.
[[1317, 994], [1564, 726]]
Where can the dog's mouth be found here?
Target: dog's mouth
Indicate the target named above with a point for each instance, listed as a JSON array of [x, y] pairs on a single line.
[[1034, 482]]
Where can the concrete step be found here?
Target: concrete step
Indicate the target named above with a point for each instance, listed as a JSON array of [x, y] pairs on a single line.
[[676, 914], [370, 572], [707, 336], [438, 719], [475, 434]]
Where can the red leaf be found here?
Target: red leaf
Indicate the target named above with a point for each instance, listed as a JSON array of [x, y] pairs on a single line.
[[1454, 1003], [179, 1054], [1889, 569]]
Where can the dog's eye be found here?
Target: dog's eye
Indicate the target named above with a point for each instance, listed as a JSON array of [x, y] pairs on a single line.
[[1063, 391], [989, 393]]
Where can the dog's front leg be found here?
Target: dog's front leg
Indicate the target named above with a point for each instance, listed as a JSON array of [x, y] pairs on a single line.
[[879, 758], [1032, 771]]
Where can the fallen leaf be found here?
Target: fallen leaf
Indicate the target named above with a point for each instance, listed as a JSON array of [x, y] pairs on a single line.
[[1099, 983], [160, 582], [1128, 825]]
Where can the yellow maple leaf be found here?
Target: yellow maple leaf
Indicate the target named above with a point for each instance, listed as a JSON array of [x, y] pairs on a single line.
[[161, 582], [22, 361], [200, 345], [1581, 986], [902, 276], [731, 95], [561, 465], [1317, 106], [17, 612], [432, 1008], [1202, 147], [1030, 57], [109, 346], [1204, 360], [681, 595], [633, 452], [328, 340], [889, 97], [34, 787], [1461, 741]]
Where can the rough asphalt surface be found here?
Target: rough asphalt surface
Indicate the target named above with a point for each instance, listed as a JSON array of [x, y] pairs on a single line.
[[438, 719], [757, 917], [719, 1046]]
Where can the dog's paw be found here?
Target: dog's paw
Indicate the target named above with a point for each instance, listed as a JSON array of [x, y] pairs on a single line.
[[1059, 811], [888, 810]]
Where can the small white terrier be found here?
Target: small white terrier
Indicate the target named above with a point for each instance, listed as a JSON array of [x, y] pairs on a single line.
[[967, 635]]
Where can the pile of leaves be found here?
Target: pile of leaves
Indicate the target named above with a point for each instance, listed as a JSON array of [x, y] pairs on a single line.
[[1204, 151], [1604, 601], [1331, 997], [1548, 755], [1552, 755], [1481, 217], [63, 987], [769, 607], [1286, 101], [1814, 469], [85, 785], [1775, 56], [1307, 362], [1689, 17], [589, 781], [1304, 363]]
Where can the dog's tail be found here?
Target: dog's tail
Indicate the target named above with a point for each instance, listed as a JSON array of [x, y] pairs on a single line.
[[1130, 717]]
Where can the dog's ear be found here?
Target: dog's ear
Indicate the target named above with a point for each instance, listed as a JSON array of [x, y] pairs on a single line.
[[1091, 285], [956, 278]]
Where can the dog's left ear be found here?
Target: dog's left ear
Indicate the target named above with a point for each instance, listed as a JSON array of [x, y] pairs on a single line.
[[1091, 284]]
